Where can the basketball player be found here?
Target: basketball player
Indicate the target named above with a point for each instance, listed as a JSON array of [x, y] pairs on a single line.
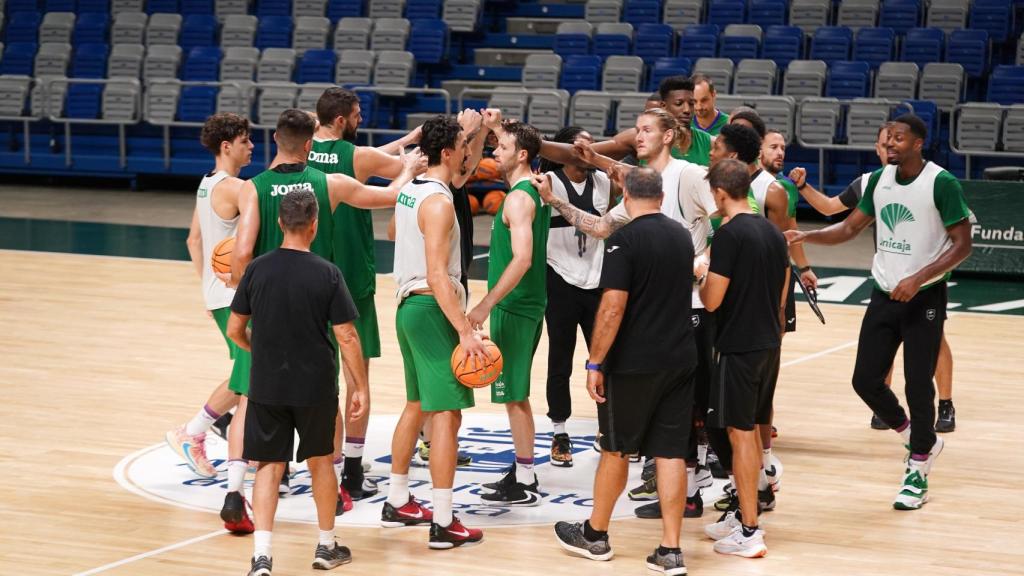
[[573, 272], [294, 370], [333, 151], [431, 322], [746, 288], [846, 200], [214, 219], [640, 370], [707, 116], [516, 299], [925, 233]]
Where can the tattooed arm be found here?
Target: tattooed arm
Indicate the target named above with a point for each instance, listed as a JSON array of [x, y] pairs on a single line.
[[599, 227]]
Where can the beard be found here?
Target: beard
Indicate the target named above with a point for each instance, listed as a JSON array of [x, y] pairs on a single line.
[[349, 134]]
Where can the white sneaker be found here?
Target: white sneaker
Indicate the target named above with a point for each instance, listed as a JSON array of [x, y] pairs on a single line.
[[774, 474], [703, 478], [726, 525], [739, 545], [933, 454]]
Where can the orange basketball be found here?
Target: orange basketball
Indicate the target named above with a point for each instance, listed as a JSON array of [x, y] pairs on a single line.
[[221, 257], [469, 374], [486, 170], [493, 200]]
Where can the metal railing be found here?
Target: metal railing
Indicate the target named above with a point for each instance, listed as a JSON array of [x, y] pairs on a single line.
[[26, 121], [399, 90], [47, 85], [954, 117]]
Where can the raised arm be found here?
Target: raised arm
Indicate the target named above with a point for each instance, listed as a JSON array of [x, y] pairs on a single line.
[[827, 205], [835, 234], [520, 210], [476, 134], [620, 146], [599, 227], [369, 162], [345, 189], [194, 242], [395, 146], [248, 230]]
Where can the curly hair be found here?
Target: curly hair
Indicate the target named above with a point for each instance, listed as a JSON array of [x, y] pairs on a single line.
[[527, 137], [566, 135], [673, 83], [439, 133], [222, 127], [742, 140]]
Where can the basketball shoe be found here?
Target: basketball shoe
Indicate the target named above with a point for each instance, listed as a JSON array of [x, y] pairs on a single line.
[[649, 489], [260, 566], [946, 421], [507, 480], [191, 449], [421, 458], [571, 537], [221, 425], [561, 451], [727, 522], [453, 535], [914, 492], [738, 543], [284, 488], [516, 494], [671, 564], [694, 508], [359, 486], [344, 502], [412, 514], [877, 423], [774, 476], [703, 477], [327, 558], [235, 514]]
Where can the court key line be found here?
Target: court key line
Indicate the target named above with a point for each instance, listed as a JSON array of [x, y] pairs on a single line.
[[118, 472]]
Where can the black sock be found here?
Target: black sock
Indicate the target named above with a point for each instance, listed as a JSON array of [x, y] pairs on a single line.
[[666, 551], [748, 531], [593, 535], [946, 402], [353, 466]]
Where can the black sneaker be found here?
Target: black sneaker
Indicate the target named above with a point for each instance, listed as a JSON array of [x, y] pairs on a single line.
[[766, 500], [877, 423], [729, 500], [284, 488], [671, 564], [715, 465], [220, 425], [570, 536], [947, 417], [463, 459], [650, 511], [260, 566], [507, 480], [694, 506], [327, 558], [516, 494], [453, 535], [231, 512], [359, 487], [561, 451]]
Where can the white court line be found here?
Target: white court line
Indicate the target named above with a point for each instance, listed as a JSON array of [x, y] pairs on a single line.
[[119, 475]]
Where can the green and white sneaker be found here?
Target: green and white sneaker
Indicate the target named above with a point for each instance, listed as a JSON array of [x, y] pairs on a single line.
[[914, 492]]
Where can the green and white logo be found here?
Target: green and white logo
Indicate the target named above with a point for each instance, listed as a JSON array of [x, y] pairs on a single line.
[[895, 214], [203, 192]]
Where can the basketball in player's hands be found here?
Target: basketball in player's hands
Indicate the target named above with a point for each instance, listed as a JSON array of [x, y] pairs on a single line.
[[221, 257], [472, 372]]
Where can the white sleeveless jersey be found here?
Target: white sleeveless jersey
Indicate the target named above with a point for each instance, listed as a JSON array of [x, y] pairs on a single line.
[[688, 200], [576, 257], [670, 186], [213, 229], [759, 186], [410, 249]]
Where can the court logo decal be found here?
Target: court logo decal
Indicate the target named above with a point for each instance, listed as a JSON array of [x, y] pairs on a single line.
[[156, 473]]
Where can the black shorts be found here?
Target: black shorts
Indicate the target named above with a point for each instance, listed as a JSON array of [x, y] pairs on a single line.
[[270, 431], [704, 337], [791, 305], [743, 389], [649, 413]]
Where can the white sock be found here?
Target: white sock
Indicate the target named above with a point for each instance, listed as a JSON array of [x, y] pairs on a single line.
[[353, 449], [443, 506], [766, 458], [201, 422], [261, 543], [327, 538], [905, 434], [691, 483], [732, 481], [559, 427], [339, 464], [236, 474], [702, 454], [524, 473], [398, 494], [762, 480]]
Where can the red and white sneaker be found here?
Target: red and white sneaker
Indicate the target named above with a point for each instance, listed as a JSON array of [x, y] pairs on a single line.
[[344, 501], [191, 449], [412, 514], [235, 514], [453, 535]]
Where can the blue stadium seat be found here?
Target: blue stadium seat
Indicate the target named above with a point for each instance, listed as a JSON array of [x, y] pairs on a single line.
[[874, 46], [202, 63], [738, 48], [969, 48], [767, 13], [90, 61], [900, 15], [923, 45], [14, 6], [198, 30], [606, 45], [927, 111], [23, 27], [653, 41], [638, 12], [848, 80], [725, 12], [19, 58], [1006, 85], [275, 8], [571, 44], [783, 44], [316, 66], [197, 103], [83, 100], [91, 28], [992, 16], [189, 7], [423, 10], [699, 41], [102, 6], [338, 9], [665, 67], [581, 72], [60, 5], [428, 41], [831, 43], [168, 6], [274, 32]]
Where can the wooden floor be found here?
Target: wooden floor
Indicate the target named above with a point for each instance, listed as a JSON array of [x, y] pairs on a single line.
[[99, 356]]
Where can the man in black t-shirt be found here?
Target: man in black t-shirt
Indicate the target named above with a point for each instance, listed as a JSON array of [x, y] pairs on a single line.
[[746, 288], [641, 367], [291, 295]]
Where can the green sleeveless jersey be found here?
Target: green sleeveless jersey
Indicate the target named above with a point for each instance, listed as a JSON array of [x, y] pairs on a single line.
[[700, 149], [353, 227], [529, 297], [274, 184], [792, 194]]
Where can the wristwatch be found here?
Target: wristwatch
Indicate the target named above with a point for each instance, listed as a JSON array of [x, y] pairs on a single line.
[[805, 269], [591, 366]]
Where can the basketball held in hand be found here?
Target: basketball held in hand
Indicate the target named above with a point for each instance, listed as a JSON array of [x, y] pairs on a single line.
[[474, 374], [221, 257]]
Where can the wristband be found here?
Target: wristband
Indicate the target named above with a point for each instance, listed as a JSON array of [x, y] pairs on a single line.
[[591, 366]]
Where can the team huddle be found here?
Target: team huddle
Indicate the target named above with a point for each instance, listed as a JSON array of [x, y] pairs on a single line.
[[669, 245]]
